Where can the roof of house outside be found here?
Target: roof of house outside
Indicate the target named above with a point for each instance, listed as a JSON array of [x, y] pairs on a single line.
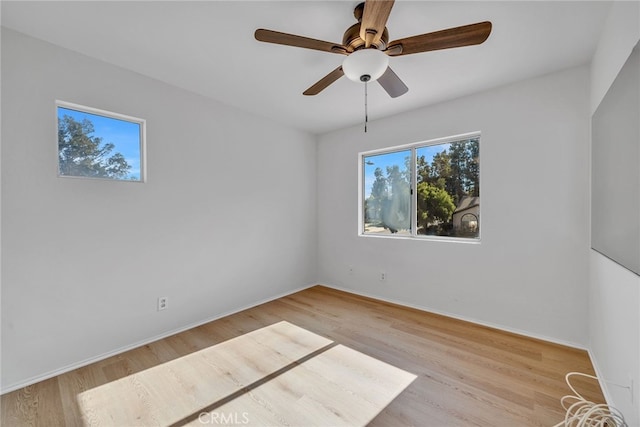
[[467, 203]]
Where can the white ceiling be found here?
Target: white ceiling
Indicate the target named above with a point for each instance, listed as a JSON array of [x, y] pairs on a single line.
[[208, 47]]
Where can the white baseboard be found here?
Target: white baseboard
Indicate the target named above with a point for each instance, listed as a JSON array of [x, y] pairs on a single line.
[[88, 361], [466, 319], [603, 384], [120, 350]]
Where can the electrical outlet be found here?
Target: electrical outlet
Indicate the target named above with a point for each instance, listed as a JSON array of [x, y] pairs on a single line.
[[383, 276], [163, 303]]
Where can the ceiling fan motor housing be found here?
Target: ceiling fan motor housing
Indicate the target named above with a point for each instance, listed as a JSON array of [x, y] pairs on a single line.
[[352, 41]]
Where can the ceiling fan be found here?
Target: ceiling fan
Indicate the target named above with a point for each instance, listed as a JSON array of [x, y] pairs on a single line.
[[367, 47]]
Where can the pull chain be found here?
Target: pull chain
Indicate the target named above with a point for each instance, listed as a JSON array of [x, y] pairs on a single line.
[[366, 115]]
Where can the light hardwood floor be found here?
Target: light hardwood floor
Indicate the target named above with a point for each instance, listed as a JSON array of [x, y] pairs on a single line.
[[467, 375]]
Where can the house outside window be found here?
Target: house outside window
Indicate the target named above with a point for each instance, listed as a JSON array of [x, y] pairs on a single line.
[[466, 223]]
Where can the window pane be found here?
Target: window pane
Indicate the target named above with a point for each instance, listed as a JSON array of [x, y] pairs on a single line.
[[387, 194], [448, 189], [98, 146]]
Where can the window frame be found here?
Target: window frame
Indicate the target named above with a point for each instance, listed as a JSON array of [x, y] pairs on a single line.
[[111, 115], [413, 147]]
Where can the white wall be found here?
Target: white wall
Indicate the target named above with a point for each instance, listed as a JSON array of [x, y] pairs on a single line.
[[614, 326], [530, 272], [227, 218], [614, 293]]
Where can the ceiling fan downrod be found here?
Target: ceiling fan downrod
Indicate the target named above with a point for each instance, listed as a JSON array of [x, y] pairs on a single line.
[[365, 78]]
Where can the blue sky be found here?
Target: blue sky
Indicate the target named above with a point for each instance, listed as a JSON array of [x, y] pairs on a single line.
[[395, 158], [124, 135]]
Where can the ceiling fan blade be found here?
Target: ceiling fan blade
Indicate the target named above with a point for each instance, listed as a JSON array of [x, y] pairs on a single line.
[[466, 35], [374, 19], [324, 82], [270, 36], [392, 84]]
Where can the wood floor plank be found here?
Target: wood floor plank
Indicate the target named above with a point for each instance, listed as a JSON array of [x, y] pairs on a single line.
[[171, 391], [338, 387], [36, 405], [71, 384], [466, 374]]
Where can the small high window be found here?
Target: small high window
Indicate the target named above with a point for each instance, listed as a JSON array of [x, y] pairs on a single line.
[[430, 188], [94, 143]]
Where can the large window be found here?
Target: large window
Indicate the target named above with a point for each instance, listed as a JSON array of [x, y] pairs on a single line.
[[425, 189], [99, 144]]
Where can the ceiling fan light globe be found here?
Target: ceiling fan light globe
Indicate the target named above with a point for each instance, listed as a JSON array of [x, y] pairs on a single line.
[[371, 62]]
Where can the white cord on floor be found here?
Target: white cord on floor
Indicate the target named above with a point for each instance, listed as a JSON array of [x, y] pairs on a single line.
[[583, 413]]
